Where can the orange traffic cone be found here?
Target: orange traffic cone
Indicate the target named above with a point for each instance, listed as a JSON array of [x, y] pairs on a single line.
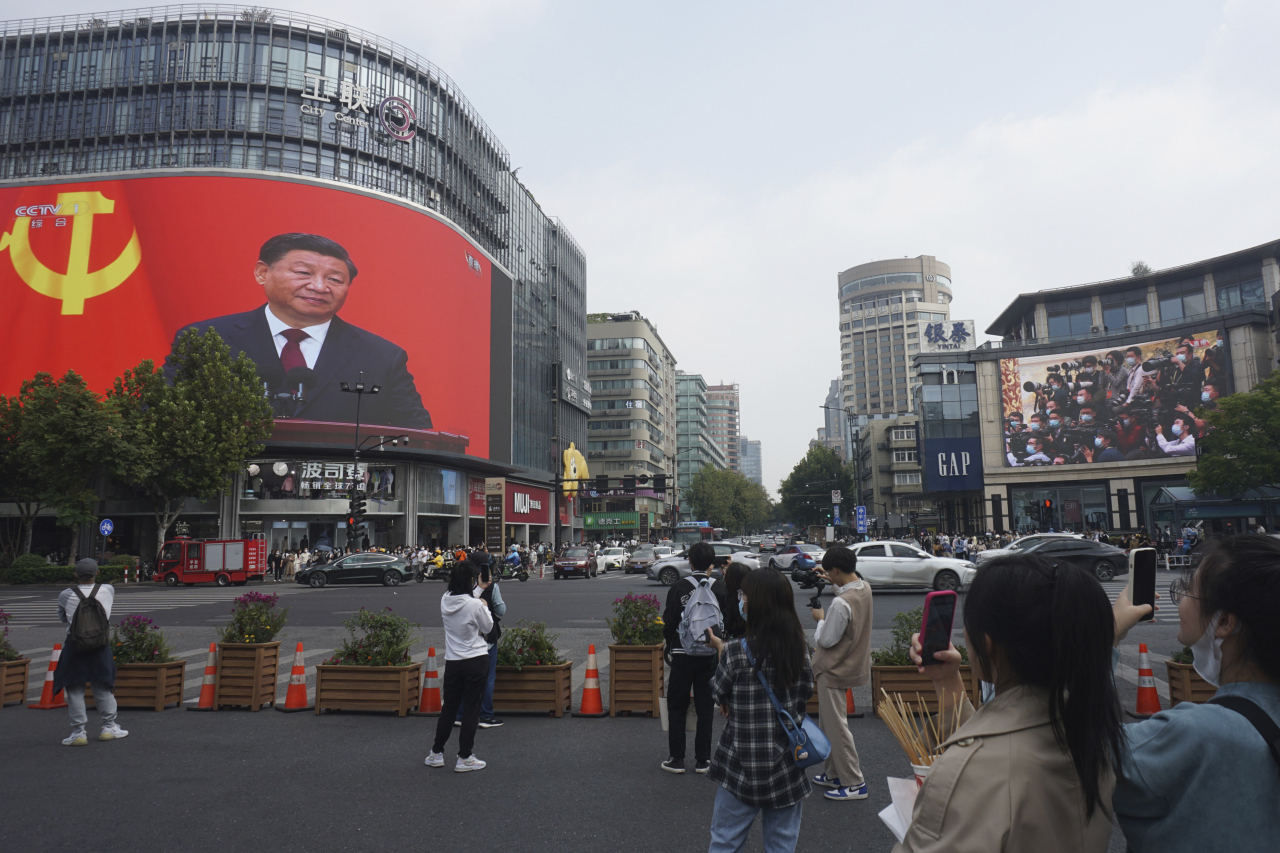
[[48, 701], [206, 687], [591, 706], [296, 698], [1148, 698], [429, 703], [850, 709]]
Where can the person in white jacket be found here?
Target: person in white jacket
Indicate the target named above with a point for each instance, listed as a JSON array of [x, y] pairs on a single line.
[[466, 664], [1184, 439]]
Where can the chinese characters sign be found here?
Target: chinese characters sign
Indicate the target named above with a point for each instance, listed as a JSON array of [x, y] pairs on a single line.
[[947, 336], [394, 113]]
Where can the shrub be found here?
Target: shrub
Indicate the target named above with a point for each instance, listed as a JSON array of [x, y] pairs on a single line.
[[44, 573], [254, 619], [636, 620], [7, 651], [898, 653], [139, 640], [29, 561], [1184, 656], [528, 644], [384, 639]]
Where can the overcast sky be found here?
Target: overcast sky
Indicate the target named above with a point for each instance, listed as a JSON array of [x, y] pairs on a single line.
[[721, 162]]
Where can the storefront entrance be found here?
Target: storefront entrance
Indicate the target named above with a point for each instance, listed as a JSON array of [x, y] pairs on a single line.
[[1069, 509]]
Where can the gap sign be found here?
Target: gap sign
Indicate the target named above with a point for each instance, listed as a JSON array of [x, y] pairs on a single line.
[[952, 464]]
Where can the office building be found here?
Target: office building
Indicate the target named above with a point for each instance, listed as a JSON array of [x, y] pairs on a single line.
[[752, 464], [696, 448], [724, 421]]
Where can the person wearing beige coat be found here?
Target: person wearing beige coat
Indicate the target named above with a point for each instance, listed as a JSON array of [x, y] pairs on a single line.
[[1032, 771]]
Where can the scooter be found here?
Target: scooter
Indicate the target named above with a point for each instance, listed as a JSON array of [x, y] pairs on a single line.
[[514, 568]]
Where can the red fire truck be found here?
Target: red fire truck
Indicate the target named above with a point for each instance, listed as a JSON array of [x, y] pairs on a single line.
[[221, 561]]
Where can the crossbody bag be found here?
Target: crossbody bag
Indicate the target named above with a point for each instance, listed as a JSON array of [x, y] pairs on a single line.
[[809, 745], [1257, 717]]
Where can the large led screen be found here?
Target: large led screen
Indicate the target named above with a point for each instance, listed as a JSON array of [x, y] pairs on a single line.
[[1141, 402], [318, 285]]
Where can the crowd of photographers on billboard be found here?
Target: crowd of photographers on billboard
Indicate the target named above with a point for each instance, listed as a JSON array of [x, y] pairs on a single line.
[[1123, 404]]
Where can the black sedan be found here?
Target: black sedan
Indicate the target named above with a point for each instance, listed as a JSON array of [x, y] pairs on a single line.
[[1105, 561], [385, 569], [575, 561]]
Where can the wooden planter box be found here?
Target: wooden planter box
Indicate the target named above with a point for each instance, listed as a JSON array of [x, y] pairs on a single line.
[[146, 685], [246, 674], [907, 682], [1186, 685], [13, 680], [369, 688], [534, 688], [635, 679]]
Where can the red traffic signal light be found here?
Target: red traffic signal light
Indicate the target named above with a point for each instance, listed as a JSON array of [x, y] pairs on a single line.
[[1048, 504]]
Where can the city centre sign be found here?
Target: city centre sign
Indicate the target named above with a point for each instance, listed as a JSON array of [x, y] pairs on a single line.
[[394, 113]]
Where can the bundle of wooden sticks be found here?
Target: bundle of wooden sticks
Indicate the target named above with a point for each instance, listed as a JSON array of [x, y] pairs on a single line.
[[921, 739]]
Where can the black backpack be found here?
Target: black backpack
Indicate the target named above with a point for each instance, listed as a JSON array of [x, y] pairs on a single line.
[[90, 628]]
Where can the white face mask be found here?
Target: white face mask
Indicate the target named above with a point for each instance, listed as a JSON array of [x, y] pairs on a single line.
[[1208, 652], [988, 691]]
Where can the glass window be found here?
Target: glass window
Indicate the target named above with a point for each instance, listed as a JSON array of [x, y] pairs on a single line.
[[1069, 318], [904, 456], [1241, 286], [872, 551], [1181, 299], [904, 551], [912, 479]]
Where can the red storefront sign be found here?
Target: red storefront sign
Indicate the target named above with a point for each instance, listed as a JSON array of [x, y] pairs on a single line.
[[527, 504], [476, 499]]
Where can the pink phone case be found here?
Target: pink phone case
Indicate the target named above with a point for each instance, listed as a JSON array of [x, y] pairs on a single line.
[[924, 619]]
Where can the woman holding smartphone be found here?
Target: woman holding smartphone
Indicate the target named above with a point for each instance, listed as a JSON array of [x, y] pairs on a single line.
[[1201, 777], [466, 664], [1031, 770]]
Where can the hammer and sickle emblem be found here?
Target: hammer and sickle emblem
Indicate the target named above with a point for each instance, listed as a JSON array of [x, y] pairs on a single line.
[[77, 284]]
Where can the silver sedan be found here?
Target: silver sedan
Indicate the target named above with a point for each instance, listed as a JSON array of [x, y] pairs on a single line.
[[671, 569], [898, 564]]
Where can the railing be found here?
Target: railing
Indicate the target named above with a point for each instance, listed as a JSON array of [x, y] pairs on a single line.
[[1130, 329]]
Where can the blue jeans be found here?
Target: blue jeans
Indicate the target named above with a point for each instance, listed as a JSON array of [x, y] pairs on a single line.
[[486, 704], [731, 821]]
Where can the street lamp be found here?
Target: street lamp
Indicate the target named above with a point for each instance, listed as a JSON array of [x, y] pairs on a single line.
[[359, 389]]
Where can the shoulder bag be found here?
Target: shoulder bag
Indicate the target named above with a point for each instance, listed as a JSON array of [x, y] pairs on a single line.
[[1257, 717], [809, 746]]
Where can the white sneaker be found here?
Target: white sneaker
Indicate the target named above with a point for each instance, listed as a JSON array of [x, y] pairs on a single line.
[[76, 739], [112, 731], [435, 759], [469, 763]]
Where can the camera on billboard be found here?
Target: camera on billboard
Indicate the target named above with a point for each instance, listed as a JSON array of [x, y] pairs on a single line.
[[1076, 386], [1072, 365], [1108, 361], [1035, 387], [1153, 364], [1076, 437], [1018, 445]]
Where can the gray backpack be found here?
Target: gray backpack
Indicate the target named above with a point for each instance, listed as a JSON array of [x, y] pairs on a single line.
[[701, 612]]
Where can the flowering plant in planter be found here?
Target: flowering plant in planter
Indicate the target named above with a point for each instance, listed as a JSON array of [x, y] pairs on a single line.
[[636, 620], [139, 640], [377, 639], [254, 619], [528, 644], [7, 651]]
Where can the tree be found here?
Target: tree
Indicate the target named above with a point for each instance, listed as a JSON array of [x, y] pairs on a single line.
[[56, 438], [727, 499], [1242, 449], [806, 493], [185, 438], [1139, 268]]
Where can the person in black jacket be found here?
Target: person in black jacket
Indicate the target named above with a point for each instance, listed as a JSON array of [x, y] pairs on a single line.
[[689, 671]]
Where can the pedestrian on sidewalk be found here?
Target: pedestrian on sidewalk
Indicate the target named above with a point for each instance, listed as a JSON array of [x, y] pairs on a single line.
[[842, 660], [290, 563], [86, 654], [275, 564], [690, 671], [466, 664], [1200, 776], [735, 627], [492, 597], [753, 762]]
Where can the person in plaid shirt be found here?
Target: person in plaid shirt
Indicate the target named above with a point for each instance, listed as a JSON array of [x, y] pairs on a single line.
[[752, 762]]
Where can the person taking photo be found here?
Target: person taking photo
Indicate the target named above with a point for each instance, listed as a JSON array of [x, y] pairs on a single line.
[[842, 660], [1207, 776], [466, 664]]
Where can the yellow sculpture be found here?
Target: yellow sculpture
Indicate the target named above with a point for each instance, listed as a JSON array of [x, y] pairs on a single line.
[[77, 284], [575, 469]]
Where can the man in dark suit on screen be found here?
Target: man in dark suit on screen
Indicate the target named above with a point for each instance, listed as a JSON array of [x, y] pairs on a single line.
[[298, 335]]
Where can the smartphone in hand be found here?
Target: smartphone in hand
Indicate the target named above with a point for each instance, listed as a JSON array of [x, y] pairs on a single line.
[[935, 626], [1142, 579]]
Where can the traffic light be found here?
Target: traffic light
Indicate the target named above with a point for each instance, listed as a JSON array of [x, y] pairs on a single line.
[[1048, 504], [659, 482], [355, 515], [602, 483], [629, 484]]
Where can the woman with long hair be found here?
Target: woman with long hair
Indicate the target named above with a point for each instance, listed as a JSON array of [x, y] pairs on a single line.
[[1031, 770], [735, 627], [752, 762], [466, 664], [1201, 777]]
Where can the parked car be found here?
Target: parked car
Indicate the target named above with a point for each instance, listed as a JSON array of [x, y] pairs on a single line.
[[386, 569], [1021, 545], [574, 561], [783, 558], [611, 558], [898, 564], [668, 570], [1105, 561], [641, 558]]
